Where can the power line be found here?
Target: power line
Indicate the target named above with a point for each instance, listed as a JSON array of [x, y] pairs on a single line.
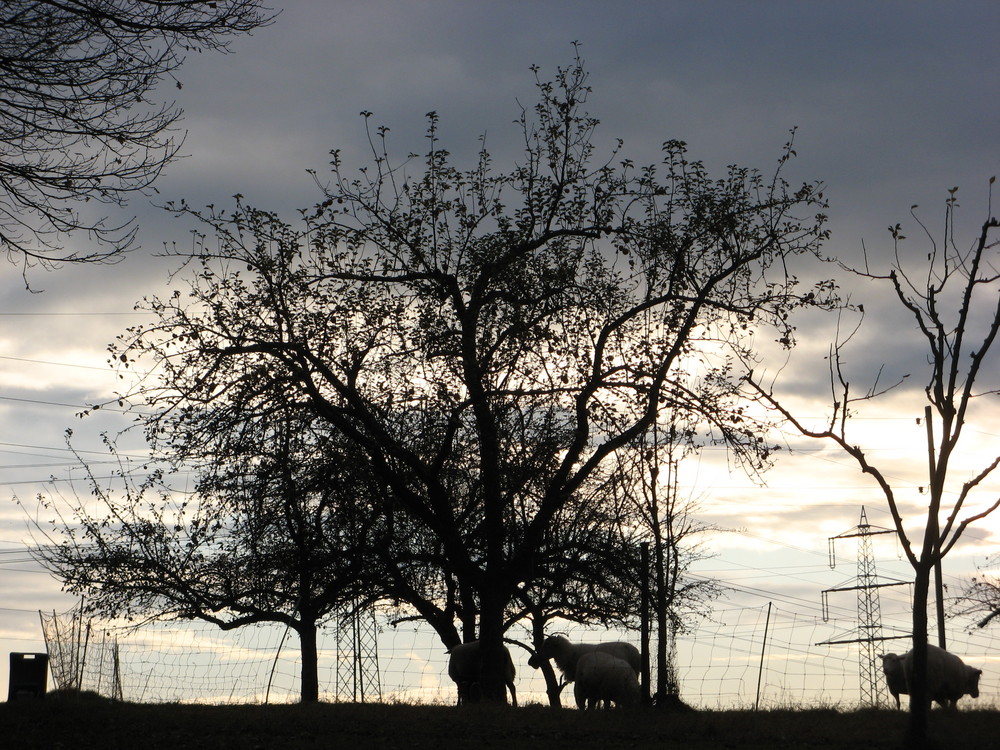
[[103, 406], [62, 449], [36, 454], [70, 314], [54, 480], [59, 464], [105, 368], [57, 364], [49, 449]]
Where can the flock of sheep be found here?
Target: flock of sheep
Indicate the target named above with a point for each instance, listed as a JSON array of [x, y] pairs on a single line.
[[607, 673]]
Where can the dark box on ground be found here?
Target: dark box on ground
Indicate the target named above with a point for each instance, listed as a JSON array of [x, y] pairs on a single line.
[[28, 676]]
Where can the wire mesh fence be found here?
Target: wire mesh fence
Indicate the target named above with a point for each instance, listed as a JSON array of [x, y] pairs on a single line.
[[741, 657]]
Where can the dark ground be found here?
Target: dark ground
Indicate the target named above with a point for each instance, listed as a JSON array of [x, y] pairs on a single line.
[[83, 723]]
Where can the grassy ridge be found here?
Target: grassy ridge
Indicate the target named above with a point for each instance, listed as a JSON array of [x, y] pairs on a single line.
[[80, 724]]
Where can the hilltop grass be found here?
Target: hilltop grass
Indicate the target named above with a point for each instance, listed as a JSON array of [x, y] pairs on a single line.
[[81, 724]]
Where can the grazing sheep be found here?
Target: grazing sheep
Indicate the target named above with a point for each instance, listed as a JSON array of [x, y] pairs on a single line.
[[603, 677], [948, 677], [465, 667], [566, 655], [895, 676]]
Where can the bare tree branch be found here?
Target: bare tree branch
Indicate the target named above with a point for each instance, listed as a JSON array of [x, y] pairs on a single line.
[[77, 122]]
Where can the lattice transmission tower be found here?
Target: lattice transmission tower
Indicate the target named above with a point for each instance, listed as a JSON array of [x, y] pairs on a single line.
[[869, 633], [358, 678]]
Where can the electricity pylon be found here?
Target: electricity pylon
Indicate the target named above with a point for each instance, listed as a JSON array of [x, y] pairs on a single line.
[[873, 691], [358, 678]]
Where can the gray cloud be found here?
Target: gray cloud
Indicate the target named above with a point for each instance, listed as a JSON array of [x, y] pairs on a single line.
[[889, 101]]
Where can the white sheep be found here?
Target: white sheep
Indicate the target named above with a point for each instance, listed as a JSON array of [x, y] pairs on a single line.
[[567, 655], [603, 677], [465, 667], [948, 677], [895, 677]]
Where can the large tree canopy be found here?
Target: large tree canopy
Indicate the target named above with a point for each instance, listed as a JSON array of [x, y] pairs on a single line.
[[490, 340], [78, 123]]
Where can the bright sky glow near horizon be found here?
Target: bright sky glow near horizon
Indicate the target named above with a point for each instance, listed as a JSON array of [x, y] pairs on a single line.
[[894, 104]]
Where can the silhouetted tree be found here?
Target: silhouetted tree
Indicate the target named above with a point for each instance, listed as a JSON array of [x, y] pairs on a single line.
[[586, 570], [77, 122], [275, 530], [489, 340], [667, 520], [980, 597], [954, 299]]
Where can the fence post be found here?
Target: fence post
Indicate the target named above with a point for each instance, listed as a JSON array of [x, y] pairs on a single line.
[[644, 619], [763, 648]]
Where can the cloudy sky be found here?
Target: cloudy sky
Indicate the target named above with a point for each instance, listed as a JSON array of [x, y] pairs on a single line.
[[894, 104]]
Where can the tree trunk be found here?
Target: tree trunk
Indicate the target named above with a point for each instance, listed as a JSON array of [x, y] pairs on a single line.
[[310, 662], [917, 731], [494, 658], [661, 616], [552, 687]]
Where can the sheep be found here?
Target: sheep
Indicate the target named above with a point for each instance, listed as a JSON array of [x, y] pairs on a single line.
[[465, 667], [895, 677], [603, 677], [566, 654], [948, 677]]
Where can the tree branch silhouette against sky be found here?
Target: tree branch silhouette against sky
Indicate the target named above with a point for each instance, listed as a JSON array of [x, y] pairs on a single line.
[[888, 108]]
